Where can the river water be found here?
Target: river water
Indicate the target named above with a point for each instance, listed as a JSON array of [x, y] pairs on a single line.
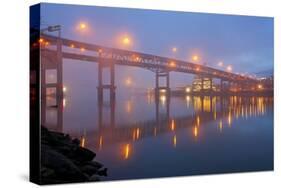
[[139, 136]]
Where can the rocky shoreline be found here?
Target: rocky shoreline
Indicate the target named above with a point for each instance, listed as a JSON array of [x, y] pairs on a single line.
[[64, 161]]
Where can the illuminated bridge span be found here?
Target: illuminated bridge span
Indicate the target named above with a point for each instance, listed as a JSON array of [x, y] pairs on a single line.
[[54, 49]]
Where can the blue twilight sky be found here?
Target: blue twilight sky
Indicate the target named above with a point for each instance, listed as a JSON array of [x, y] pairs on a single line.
[[245, 42]]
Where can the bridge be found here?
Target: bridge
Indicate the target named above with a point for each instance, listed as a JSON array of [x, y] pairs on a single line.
[[54, 49]]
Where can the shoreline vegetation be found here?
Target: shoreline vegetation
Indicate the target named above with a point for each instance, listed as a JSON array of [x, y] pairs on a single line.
[[63, 160]]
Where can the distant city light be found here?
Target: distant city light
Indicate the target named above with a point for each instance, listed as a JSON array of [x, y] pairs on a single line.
[[64, 89], [174, 49], [187, 90], [82, 49], [260, 86], [220, 64], [229, 68], [162, 90]]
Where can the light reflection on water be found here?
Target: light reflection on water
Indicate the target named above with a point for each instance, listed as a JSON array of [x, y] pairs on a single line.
[[140, 136]]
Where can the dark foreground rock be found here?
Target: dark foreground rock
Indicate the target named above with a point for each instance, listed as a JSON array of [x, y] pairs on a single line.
[[64, 161]]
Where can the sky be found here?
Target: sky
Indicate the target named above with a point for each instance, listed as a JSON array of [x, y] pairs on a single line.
[[245, 42]]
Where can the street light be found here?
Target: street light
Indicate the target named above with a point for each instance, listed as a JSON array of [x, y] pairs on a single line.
[[195, 58], [82, 26], [126, 40]]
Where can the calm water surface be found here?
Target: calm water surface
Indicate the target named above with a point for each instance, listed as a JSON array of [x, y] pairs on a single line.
[[138, 136]]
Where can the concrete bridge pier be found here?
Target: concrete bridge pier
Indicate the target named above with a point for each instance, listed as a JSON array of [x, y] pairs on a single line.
[[102, 86], [164, 89]]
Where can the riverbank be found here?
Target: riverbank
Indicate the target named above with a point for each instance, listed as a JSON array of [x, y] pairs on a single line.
[[64, 161]]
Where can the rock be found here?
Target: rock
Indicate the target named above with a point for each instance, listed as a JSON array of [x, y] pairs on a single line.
[[47, 172], [82, 154], [76, 141], [103, 172], [62, 166], [89, 169], [94, 178], [64, 161], [94, 163]]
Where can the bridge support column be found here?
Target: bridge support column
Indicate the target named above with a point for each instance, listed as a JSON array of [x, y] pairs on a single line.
[[100, 90], [165, 89], [211, 84], [101, 86]]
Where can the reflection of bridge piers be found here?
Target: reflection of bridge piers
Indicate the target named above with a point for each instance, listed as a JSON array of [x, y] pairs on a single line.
[[162, 93], [102, 65]]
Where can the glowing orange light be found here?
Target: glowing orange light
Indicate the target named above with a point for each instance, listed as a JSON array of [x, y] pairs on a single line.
[[100, 142], [174, 49], [82, 25], [47, 43], [198, 120], [229, 118], [175, 141], [197, 69], [173, 125], [163, 99], [72, 46], [82, 49], [127, 151], [83, 140], [220, 125], [41, 40], [195, 131], [260, 86], [138, 133], [126, 40], [195, 57], [172, 64]]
